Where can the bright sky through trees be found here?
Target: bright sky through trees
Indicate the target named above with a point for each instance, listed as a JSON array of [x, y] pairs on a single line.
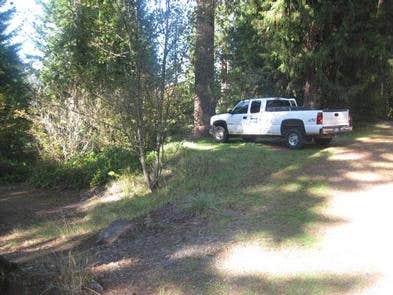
[[27, 13]]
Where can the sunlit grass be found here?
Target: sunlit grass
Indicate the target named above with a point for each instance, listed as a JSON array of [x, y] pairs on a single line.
[[324, 283], [221, 182], [205, 182]]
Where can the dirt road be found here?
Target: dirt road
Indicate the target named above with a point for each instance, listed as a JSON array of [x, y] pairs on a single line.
[[360, 181]]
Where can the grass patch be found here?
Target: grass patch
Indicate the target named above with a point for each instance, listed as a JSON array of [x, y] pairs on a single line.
[[203, 204], [225, 183], [245, 189], [72, 274], [318, 285]]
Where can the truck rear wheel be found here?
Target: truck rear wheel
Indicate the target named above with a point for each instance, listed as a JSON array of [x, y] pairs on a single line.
[[323, 141], [220, 133], [294, 139]]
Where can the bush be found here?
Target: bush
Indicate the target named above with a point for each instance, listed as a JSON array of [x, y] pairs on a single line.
[[89, 170], [13, 171]]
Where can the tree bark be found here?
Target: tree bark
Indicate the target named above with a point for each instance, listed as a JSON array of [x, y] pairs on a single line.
[[309, 92], [224, 74], [380, 3], [204, 100]]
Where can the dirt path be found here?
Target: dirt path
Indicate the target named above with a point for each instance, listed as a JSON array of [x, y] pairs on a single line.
[[360, 178], [20, 205], [352, 255], [350, 252]]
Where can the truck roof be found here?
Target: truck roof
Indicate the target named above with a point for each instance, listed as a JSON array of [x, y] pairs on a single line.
[[265, 98]]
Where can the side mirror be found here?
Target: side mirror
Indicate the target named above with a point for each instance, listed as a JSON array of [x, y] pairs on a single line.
[[229, 110]]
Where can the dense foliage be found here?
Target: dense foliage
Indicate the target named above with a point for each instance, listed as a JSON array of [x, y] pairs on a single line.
[[106, 79], [87, 170], [15, 142], [325, 53]]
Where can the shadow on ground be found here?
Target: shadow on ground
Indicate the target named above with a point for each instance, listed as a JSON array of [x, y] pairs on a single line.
[[232, 193]]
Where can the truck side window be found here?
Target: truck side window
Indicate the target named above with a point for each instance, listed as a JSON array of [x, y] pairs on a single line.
[[241, 107], [255, 106], [277, 105]]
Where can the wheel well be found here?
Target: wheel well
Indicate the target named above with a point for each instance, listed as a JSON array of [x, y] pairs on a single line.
[[220, 123], [292, 123]]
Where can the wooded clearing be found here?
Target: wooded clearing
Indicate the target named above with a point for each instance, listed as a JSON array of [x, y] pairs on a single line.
[[105, 109]]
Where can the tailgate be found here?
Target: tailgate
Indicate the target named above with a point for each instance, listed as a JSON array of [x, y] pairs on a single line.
[[336, 117]]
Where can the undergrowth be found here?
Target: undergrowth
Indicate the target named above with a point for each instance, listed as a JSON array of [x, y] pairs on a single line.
[[89, 170]]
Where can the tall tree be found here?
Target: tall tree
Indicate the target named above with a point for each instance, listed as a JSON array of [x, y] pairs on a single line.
[[14, 138], [204, 101], [13, 101]]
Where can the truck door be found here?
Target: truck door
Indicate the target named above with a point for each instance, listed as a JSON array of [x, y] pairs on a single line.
[[275, 111], [238, 117], [252, 125]]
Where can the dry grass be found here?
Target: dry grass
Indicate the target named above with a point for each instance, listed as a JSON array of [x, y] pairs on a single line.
[[72, 273]]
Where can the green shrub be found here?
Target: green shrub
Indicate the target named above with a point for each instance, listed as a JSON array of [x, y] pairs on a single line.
[[89, 170], [13, 171]]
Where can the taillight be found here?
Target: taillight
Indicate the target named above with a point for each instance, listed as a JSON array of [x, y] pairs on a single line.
[[350, 119], [320, 118]]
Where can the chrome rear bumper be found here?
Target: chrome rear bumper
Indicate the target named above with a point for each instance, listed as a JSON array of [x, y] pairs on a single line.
[[335, 130]]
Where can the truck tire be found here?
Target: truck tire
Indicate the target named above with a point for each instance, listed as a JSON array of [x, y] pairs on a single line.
[[220, 134], [323, 141], [294, 138]]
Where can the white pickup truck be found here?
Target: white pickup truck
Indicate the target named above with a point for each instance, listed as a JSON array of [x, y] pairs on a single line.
[[282, 117]]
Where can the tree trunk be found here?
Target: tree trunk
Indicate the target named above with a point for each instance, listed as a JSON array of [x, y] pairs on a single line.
[[204, 101], [224, 74], [380, 3], [309, 92]]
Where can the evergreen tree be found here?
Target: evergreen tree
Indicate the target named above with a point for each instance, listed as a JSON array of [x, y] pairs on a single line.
[[325, 53], [14, 138]]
